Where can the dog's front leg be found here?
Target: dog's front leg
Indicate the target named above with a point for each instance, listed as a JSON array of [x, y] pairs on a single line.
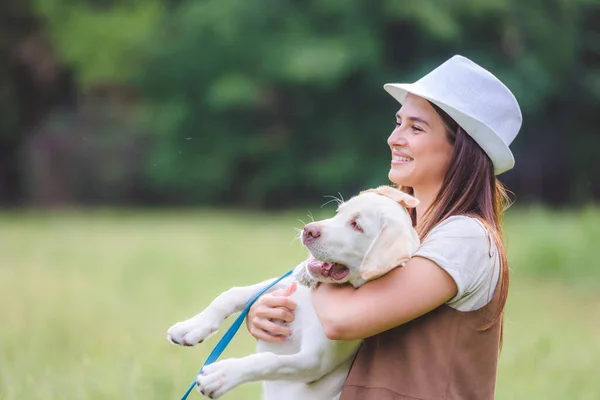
[[220, 377], [198, 328], [306, 366]]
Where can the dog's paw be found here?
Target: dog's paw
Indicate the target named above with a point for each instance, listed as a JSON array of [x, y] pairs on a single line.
[[218, 378], [193, 331]]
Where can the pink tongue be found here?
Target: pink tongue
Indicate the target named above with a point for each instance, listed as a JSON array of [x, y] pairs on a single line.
[[333, 270], [339, 271]]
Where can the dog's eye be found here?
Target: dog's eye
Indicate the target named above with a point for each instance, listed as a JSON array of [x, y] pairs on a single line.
[[354, 225]]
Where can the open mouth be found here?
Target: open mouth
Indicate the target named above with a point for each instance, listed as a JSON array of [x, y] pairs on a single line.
[[401, 159], [331, 270]]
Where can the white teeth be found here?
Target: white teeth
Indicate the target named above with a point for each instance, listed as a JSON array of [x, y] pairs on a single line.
[[403, 159]]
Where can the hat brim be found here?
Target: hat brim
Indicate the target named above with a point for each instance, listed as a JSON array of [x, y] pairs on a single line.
[[498, 152]]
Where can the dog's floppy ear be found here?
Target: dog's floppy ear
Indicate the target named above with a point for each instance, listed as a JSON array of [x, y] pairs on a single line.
[[395, 194], [392, 247]]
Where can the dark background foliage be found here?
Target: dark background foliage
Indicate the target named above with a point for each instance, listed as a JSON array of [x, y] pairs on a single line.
[[273, 103]]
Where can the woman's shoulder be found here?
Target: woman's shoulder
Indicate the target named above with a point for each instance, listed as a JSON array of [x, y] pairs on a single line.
[[459, 237], [460, 226], [463, 247]]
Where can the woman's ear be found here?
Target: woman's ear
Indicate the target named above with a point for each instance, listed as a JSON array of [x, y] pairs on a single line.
[[397, 195]]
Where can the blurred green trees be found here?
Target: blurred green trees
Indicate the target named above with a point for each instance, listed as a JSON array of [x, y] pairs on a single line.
[[273, 102]]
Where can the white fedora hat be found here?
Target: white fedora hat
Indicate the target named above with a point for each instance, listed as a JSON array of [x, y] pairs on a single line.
[[482, 105]]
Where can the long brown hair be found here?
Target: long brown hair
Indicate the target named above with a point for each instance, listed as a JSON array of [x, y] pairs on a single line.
[[470, 188]]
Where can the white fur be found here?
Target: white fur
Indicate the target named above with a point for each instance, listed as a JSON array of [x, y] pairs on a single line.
[[308, 365]]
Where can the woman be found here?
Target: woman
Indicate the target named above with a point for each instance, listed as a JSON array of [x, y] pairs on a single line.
[[436, 333]]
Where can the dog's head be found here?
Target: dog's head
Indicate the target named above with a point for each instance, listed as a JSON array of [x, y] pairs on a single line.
[[370, 234]]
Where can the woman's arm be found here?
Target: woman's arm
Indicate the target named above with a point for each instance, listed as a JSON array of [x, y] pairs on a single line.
[[398, 297]]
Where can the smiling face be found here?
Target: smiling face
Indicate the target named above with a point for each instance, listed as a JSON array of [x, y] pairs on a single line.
[[370, 234], [421, 149]]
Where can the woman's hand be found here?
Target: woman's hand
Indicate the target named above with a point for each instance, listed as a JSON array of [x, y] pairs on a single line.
[[268, 311]]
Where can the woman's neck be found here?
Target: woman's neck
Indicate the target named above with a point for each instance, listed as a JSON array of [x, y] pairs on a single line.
[[426, 197]]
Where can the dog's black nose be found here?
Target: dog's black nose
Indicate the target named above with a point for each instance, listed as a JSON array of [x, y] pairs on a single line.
[[310, 233]]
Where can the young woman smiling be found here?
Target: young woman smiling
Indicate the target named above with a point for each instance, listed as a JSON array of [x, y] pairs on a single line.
[[436, 331]]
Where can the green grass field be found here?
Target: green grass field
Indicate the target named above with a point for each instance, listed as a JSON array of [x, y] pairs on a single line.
[[87, 297]]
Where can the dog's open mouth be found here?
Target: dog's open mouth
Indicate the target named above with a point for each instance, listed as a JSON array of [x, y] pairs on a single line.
[[331, 270]]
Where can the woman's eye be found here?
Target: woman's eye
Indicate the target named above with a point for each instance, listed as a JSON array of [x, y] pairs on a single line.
[[397, 124], [416, 128], [354, 225]]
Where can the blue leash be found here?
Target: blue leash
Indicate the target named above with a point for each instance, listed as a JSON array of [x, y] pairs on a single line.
[[224, 342]]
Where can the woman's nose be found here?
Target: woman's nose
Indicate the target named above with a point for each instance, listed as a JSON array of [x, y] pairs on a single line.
[[397, 138]]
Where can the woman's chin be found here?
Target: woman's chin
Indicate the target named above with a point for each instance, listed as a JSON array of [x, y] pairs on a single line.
[[400, 178]]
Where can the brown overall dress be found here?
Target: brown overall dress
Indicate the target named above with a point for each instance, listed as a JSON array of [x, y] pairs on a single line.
[[439, 356]]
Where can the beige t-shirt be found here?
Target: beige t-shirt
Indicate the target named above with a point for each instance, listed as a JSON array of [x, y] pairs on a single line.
[[464, 249]]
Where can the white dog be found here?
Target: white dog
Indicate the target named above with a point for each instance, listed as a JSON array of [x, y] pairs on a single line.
[[370, 234]]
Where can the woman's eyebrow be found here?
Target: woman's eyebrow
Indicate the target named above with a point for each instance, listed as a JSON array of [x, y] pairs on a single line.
[[415, 119]]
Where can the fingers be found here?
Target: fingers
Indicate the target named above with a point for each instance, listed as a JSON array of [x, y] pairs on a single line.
[[264, 329], [290, 289], [285, 292], [270, 328], [274, 313], [273, 300], [275, 306], [263, 335]]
